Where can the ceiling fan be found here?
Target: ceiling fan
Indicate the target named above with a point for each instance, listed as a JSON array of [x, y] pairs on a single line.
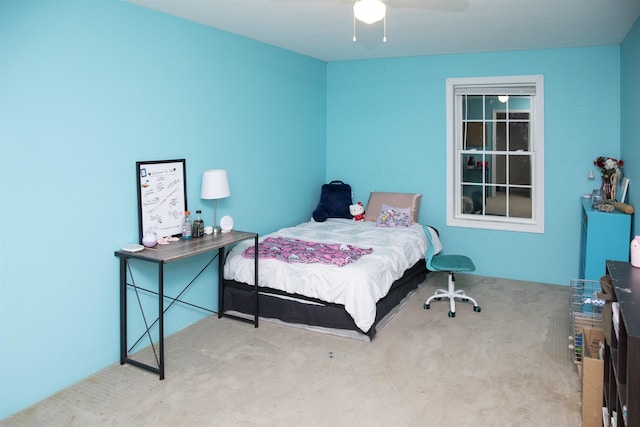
[[446, 5], [372, 11]]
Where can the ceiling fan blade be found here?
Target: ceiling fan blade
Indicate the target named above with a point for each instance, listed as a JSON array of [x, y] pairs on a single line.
[[447, 5]]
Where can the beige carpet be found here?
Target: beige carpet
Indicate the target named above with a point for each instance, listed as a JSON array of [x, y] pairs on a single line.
[[506, 366]]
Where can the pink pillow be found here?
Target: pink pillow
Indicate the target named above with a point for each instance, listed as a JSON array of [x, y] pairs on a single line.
[[391, 216]]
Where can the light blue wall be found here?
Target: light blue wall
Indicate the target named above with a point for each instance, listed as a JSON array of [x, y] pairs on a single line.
[[630, 116], [387, 132], [89, 88], [86, 90]]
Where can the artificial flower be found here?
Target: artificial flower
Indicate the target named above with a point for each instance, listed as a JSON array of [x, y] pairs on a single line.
[[608, 166]]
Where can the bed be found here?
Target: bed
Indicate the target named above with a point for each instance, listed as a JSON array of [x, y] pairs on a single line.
[[362, 274]]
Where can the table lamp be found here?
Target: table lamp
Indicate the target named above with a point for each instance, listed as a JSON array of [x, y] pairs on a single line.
[[215, 185]]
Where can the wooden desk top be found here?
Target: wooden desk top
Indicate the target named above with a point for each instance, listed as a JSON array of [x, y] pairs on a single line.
[[185, 248]]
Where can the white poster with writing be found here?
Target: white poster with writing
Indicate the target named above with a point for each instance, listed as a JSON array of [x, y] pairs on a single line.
[[162, 189]]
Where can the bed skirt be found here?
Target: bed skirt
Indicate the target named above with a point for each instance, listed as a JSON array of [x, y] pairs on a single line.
[[276, 304]]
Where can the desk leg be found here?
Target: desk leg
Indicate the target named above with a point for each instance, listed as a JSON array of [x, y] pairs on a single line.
[[161, 318], [221, 259], [123, 309], [255, 278], [220, 282]]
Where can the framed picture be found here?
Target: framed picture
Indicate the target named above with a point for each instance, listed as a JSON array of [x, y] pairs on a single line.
[[624, 186], [162, 196]]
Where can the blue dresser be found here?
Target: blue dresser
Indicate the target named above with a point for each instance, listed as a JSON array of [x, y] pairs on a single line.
[[605, 236]]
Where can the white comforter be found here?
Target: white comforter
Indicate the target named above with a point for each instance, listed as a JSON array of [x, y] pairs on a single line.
[[357, 286]]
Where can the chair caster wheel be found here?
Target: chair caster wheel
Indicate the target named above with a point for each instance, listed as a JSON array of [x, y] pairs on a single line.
[[452, 314], [477, 309], [438, 299], [426, 307], [465, 300]]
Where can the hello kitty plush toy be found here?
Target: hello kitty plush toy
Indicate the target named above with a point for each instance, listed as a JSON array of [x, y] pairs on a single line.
[[357, 211]]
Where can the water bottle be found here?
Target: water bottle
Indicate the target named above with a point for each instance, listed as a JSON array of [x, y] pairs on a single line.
[[198, 225], [186, 226]]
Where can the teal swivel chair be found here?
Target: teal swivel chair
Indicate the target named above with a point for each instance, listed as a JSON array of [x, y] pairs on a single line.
[[451, 264]]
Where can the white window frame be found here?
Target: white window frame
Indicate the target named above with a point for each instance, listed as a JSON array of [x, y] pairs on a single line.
[[502, 84]]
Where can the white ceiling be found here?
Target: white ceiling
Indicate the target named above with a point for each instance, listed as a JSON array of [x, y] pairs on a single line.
[[323, 29]]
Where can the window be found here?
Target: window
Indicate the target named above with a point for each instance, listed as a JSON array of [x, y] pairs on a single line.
[[495, 153]]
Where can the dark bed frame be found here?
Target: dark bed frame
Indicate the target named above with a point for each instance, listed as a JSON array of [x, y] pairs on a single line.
[[240, 297]]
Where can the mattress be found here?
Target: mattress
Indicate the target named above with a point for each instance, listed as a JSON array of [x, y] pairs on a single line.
[[357, 286]]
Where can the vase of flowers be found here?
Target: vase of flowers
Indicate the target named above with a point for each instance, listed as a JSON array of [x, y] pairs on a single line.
[[610, 171], [606, 188]]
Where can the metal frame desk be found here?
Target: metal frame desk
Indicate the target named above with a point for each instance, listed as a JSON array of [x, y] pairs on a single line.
[[164, 254]]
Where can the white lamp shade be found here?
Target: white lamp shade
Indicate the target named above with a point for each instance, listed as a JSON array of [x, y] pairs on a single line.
[[369, 11], [215, 184]]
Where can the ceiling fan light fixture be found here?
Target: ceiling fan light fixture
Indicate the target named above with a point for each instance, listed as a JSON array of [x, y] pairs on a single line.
[[369, 11]]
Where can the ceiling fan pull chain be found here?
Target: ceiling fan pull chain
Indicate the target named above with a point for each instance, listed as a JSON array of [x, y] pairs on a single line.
[[384, 36], [354, 26]]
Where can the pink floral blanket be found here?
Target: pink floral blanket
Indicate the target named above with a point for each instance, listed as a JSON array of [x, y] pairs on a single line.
[[294, 250]]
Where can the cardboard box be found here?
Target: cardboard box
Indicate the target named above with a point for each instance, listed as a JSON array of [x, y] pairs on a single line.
[[592, 377]]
